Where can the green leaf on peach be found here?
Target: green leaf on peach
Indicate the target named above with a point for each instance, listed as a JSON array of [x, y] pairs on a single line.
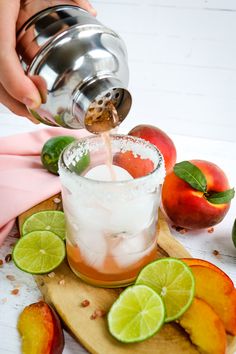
[[191, 174], [221, 197]]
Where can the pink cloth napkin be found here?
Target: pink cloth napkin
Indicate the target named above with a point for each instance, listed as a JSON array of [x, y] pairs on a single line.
[[23, 180]]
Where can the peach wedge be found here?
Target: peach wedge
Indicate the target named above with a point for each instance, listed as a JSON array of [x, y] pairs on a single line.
[[197, 261], [217, 289], [41, 330], [204, 327]]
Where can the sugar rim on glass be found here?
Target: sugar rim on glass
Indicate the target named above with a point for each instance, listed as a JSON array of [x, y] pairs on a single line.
[[141, 146]]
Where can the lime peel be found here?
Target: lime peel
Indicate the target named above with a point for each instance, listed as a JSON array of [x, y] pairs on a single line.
[[52, 149], [234, 233]]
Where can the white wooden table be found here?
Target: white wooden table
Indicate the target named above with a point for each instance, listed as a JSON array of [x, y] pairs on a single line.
[[182, 58]]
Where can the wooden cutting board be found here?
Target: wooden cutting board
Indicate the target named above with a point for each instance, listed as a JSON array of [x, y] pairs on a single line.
[[65, 292]]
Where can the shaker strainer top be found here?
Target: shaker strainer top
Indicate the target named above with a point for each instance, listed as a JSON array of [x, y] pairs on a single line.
[[102, 114]]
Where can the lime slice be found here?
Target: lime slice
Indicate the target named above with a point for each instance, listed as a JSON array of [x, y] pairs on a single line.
[[173, 280], [39, 252], [136, 315], [48, 220]]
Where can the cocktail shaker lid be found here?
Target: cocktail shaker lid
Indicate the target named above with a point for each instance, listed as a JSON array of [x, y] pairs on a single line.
[[81, 69]]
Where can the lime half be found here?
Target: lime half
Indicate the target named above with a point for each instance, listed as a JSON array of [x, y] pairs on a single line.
[[136, 315], [48, 220], [39, 252], [173, 280]]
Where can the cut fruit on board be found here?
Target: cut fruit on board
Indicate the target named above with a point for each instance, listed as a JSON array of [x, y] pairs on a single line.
[[136, 315], [66, 297], [49, 220], [39, 252], [173, 280]]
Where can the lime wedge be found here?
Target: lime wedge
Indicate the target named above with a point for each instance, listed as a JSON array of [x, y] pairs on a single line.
[[48, 220], [39, 252], [136, 315], [173, 280]]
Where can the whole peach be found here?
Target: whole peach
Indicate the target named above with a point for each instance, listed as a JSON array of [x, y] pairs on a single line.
[[160, 139], [188, 207]]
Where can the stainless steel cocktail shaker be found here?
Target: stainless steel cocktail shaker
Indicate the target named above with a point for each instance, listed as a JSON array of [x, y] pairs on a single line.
[[80, 67]]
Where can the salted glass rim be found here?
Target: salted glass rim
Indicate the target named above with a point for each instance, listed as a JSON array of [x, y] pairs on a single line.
[[160, 167]]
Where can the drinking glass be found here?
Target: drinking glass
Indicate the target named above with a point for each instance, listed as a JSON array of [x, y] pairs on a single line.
[[111, 224]]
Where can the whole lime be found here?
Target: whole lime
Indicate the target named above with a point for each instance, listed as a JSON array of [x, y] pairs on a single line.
[[51, 151], [234, 233]]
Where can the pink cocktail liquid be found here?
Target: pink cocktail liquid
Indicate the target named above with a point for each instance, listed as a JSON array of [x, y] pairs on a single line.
[[111, 222]]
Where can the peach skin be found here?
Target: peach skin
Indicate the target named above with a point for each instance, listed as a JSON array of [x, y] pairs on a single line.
[[190, 208], [196, 261]]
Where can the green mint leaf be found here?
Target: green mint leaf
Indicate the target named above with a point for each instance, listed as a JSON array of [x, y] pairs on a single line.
[[191, 174], [221, 197]]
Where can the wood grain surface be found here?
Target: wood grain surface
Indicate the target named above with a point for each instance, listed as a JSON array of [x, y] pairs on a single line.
[[65, 292]]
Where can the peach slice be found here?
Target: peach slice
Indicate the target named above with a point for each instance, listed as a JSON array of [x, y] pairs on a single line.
[[217, 289], [204, 327], [41, 330], [197, 261], [135, 165]]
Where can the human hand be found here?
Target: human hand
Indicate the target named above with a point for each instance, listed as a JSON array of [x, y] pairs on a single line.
[[16, 89]]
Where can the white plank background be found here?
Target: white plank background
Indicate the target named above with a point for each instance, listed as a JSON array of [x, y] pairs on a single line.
[[182, 59]]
